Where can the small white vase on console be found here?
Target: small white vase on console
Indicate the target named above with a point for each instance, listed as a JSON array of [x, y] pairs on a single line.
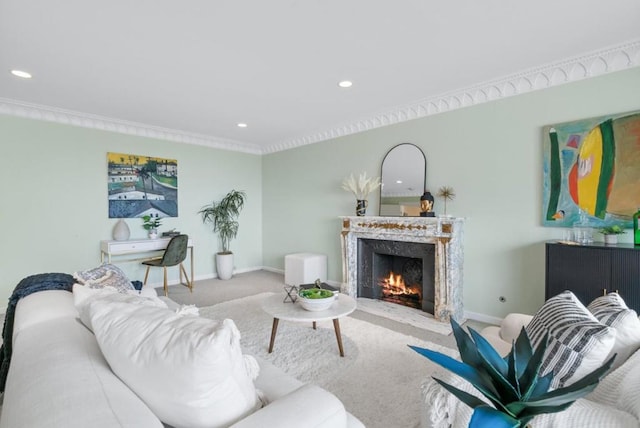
[[121, 231]]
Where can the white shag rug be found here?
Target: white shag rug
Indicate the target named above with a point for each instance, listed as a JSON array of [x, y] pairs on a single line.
[[378, 379]]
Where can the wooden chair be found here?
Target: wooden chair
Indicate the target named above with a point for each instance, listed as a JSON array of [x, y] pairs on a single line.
[[174, 254]]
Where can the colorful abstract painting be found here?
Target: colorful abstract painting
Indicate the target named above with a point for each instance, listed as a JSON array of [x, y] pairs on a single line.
[[592, 171], [142, 185]]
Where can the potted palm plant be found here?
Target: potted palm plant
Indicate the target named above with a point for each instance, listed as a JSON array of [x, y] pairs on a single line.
[[222, 215]]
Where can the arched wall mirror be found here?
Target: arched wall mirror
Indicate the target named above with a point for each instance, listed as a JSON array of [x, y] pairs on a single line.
[[404, 171]]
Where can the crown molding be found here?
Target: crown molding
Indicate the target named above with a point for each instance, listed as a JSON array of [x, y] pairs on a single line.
[[86, 120], [577, 68]]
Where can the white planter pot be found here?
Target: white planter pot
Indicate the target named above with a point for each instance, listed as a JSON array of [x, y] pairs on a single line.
[[611, 239], [224, 265]]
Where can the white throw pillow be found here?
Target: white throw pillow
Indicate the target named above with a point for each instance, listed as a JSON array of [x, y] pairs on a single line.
[[84, 295], [190, 371], [578, 342], [612, 311]]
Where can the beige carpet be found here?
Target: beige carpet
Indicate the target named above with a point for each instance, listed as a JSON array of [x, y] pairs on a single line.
[[378, 380], [212, 291]]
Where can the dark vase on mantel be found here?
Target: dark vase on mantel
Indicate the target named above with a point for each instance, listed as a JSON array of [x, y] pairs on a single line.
[[361, 207]]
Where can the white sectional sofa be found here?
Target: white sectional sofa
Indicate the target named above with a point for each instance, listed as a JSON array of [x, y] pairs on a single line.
[[59, 378]]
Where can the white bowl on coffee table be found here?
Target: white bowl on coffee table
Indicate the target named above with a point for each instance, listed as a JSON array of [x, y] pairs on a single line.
[[316, 303]]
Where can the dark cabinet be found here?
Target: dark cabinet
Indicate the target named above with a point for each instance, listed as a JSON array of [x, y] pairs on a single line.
[[591, 270]]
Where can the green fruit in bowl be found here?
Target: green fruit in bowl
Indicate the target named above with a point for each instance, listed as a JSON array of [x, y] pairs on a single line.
[[315, 293]]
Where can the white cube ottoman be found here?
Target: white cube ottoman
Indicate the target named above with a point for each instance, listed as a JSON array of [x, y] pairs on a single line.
[[304, 268]]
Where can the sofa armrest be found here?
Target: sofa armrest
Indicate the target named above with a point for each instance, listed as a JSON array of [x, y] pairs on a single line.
[[307, 407], [512, 325], [501, 338], [42, 307], [492, 334]]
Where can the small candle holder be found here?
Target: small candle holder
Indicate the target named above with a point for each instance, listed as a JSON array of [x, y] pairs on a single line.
[[292, 294]]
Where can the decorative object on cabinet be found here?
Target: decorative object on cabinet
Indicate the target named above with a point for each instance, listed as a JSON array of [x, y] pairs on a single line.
[[636, 227], [592, 165], [583, 230], [139, 185], [403, 176], [611, 233], [121, 231], [223, 216], [590, 271], [361, 187]]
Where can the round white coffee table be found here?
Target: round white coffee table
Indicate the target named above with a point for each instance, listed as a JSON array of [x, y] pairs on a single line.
[[274, 306]]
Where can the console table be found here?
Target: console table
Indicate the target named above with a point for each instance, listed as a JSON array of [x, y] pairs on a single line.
[[121, 249]]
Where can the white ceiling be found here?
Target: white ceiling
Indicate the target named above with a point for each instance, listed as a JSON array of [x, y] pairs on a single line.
[[199, 67]]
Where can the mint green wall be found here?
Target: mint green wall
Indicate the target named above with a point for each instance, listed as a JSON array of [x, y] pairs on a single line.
[[491, 154], [53, 209]]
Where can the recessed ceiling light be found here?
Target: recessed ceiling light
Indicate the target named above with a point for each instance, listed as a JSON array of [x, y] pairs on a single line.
[[20, 73], [398, 181], [345, 84], [242, 125]]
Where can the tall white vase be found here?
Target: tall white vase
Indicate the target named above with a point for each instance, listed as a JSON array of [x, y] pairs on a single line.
[[224, 265], [121, 231]]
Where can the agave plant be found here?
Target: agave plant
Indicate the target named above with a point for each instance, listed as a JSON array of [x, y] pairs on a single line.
[[513, 384]]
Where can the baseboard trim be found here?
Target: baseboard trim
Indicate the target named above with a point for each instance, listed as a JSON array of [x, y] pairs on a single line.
[[274, 270], [207, 276], [487, 319], [249, 269]]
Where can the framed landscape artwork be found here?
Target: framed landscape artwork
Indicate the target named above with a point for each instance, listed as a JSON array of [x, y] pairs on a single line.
[[591, 171], [142, 185]]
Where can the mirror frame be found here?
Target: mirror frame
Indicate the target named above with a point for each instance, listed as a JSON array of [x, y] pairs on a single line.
[[424, 177]]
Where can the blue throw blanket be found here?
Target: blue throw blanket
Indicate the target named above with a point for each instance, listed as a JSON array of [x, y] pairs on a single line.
[[30, 284]]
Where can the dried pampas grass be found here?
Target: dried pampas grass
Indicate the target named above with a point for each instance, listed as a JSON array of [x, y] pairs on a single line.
[[362, 186]]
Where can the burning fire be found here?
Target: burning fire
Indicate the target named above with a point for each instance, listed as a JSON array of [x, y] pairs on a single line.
[[394, 285]]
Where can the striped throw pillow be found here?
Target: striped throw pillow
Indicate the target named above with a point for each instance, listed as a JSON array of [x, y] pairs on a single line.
[[578, 342], [612, 311]]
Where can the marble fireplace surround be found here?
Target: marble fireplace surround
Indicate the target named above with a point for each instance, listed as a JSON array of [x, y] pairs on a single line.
[[445, 234]]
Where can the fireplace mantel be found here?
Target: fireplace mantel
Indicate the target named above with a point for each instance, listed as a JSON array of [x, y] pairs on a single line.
[[446, 234]]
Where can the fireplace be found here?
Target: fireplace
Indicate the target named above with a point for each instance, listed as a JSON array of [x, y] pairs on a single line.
[[397, 272], [428, 250]]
